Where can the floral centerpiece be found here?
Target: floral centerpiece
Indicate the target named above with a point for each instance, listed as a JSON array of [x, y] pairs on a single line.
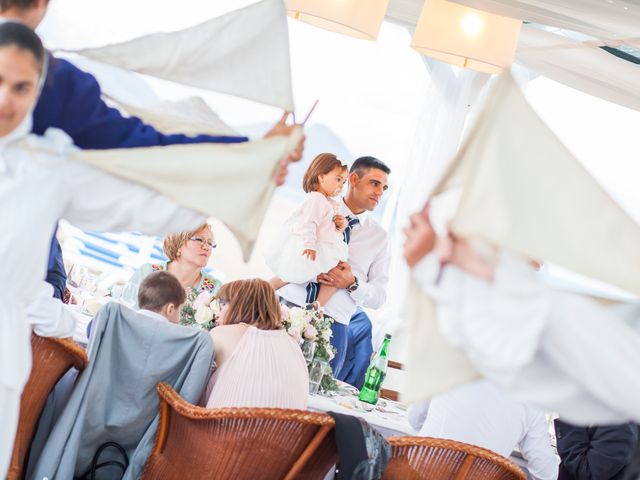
[[315, 327], [200, 310]]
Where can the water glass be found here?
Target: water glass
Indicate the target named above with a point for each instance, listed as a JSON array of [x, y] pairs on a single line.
[[308, 349], [88, 288], [75, 276], [316, 372]]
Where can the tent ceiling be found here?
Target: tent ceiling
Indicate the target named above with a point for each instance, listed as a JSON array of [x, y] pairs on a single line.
[[611, 21], [563, 40]]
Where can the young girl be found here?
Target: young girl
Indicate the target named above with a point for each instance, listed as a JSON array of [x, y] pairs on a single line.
[[40, 184], [311, 241]]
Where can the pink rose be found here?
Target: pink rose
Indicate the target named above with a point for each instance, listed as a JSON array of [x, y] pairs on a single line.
[[310, 333], [202, 300], [295, 333]]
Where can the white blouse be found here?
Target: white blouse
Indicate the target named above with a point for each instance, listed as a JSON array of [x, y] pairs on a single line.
[[266, 369]]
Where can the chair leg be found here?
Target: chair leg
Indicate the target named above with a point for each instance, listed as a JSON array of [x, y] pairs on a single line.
[[308, 452]]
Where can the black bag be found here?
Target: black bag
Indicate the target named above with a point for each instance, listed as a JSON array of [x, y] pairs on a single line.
[[90, 474]]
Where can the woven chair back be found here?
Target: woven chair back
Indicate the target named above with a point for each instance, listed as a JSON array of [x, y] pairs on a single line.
[[52, 358], [239, 443], [422, 457]]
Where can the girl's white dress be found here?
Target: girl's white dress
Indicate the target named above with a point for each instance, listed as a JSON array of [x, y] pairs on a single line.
[[39, 185], [311, 227]]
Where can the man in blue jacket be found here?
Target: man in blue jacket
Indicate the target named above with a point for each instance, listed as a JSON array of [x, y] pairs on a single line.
[[71, 101]]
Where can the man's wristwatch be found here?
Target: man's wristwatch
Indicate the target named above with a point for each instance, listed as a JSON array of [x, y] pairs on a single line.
[[354, 286]]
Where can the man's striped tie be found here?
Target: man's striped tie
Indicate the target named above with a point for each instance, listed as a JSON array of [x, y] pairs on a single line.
[[313, 288]]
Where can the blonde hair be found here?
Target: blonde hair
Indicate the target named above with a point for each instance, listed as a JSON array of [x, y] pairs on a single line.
[[253, 302], [321, 165], [174, 241]]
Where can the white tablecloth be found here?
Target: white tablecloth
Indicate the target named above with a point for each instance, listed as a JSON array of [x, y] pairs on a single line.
[[388, 417], [82, 321]]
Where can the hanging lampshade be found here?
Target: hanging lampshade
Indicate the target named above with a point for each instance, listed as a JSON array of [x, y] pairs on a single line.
[[356, 18], [466, 37]]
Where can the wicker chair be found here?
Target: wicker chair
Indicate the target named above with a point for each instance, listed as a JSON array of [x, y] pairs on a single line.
[[423, 457], [240, 443], [52, 358]]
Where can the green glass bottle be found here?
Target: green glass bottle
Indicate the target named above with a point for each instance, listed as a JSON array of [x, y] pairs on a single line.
[[375, 374]]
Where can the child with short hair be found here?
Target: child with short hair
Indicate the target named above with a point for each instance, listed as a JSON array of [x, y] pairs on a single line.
[[312, 242], [160, 293]]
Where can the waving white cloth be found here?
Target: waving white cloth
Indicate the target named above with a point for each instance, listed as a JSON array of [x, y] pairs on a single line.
[[231, 182], [523, 190], [243, 53], [189, 116]]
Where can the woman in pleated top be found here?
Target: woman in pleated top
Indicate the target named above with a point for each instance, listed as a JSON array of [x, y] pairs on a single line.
[[258, 364]]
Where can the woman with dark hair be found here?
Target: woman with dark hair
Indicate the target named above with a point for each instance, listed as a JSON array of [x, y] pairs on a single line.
[[257, 363], [39, 184]]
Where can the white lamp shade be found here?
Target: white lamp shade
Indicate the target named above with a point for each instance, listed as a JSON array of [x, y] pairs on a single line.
[[356, 18], [466, 37]]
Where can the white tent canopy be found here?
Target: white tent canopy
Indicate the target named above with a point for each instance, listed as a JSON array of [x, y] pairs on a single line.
[[569, 52]]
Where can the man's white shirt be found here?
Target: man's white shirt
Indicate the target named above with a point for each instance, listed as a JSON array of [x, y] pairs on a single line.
[[482, 414], [369, 260]]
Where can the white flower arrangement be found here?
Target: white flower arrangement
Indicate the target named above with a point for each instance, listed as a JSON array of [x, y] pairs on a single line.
[[312, 326], [201, 310]]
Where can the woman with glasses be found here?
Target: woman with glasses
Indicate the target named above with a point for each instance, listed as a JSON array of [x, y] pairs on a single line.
[[188, 254]]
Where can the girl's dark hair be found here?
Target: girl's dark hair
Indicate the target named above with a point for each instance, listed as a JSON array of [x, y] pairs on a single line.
[[321, 165], [14, 33]]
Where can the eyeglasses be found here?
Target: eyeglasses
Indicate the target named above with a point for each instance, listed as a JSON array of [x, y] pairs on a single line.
[[204, 241]]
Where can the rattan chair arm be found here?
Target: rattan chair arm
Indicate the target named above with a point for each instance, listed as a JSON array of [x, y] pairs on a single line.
[[466, 448], [79, 355], [189, 410]]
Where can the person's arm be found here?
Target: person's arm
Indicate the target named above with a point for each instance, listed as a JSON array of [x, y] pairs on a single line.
[[56, 274], [48, 316], [596, 452], [309, 219], [71, 101], [542, 462], [372, 292]]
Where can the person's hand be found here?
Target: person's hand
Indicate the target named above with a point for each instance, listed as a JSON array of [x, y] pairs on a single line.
[[460, 252], [281, 128], [339, 276], [340, 222], [310, 254], [420, 237]]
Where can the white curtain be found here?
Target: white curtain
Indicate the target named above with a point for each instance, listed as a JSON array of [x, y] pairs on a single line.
[[448, 99], [580, 65]]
